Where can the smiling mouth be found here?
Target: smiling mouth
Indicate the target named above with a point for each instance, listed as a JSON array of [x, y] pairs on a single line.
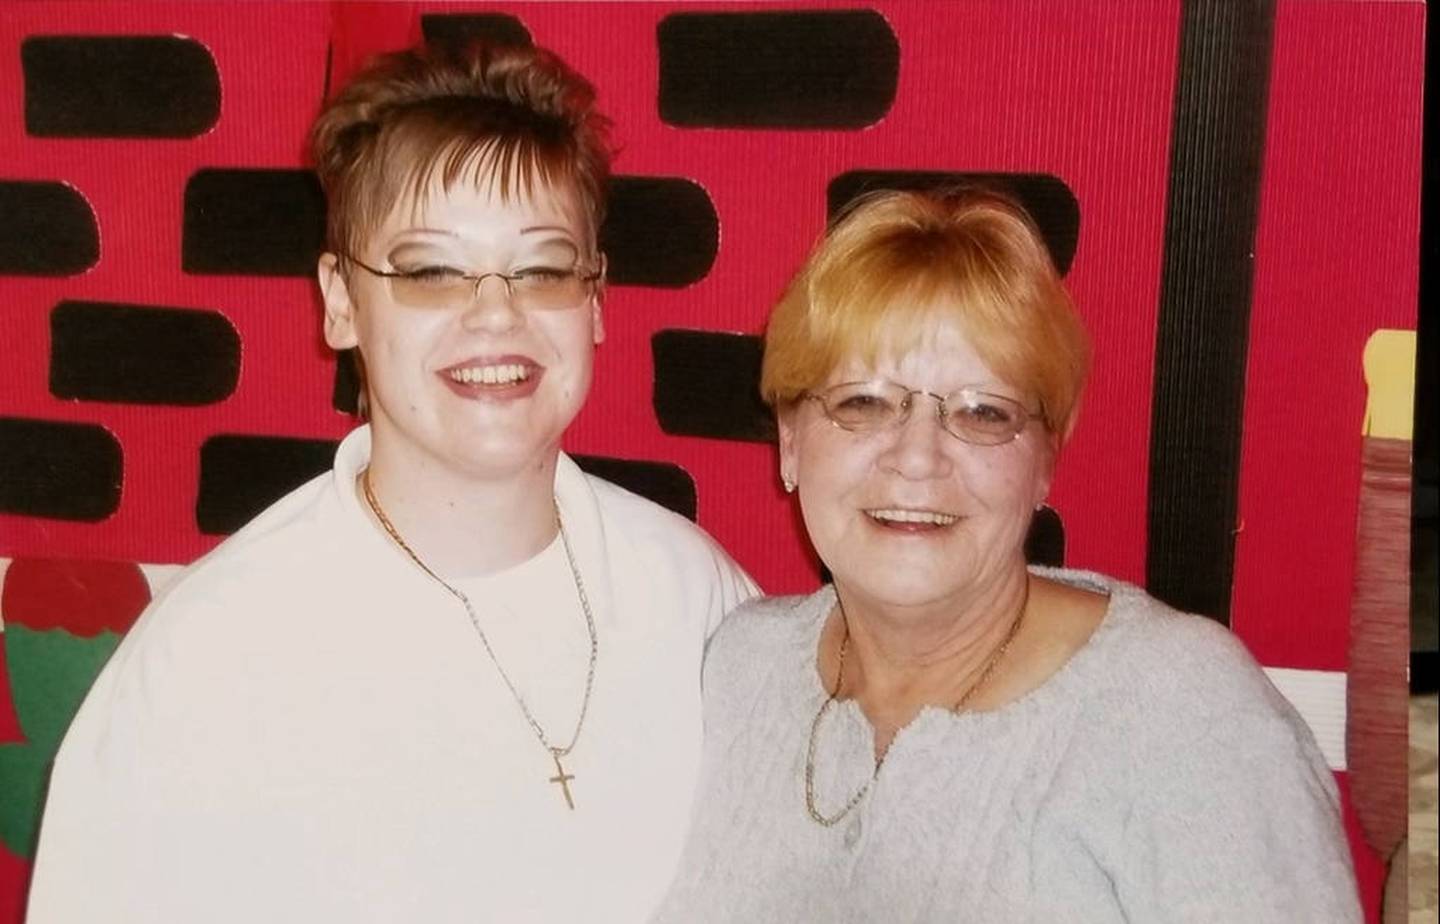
[[499, 374], [891, 516]]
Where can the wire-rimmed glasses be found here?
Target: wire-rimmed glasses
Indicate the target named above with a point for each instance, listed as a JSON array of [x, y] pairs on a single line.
[[969, 413], [533, 288]]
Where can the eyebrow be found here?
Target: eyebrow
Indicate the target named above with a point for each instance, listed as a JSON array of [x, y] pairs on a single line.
[[443, 232], [532, 229], [563, 240]]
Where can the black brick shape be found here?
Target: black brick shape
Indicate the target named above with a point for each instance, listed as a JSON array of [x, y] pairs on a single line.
[[777, 69], [48, 229], [708, 384], [242, 475], [666, 484], [1045, 542], [659, 231], [118, 86], [1049, 201], [253, 222], [65, 471], [142, 354], [460, 29]]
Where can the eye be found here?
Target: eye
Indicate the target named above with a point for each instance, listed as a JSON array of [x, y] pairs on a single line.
[[439, 277], [543, 277], [862, 404], [986, 411], [992, 412]]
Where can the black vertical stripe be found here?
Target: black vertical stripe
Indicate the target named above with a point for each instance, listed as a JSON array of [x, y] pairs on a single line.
[[1202, 339]]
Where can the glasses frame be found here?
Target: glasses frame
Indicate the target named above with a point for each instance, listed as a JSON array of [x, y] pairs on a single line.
[[942, 413], [590, 278]]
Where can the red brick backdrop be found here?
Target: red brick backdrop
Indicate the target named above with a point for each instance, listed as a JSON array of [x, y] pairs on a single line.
[[1230, 188]]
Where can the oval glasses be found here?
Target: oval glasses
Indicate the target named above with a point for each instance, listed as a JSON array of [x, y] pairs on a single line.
[[970, 414], [536, 288]]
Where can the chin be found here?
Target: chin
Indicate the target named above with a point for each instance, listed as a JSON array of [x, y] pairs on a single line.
[[500, 458], [489, 451], [897, 589]]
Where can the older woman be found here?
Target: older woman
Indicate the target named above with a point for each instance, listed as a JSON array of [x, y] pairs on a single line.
[[455, 679], [944, 734]]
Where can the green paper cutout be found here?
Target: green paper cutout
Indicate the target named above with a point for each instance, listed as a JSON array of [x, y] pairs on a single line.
[[50, 673]]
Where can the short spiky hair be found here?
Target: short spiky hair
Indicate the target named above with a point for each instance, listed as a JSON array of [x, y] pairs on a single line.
[[896, 263], [510, 116]]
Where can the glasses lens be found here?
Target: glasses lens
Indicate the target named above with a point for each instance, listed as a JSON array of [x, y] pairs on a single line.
[[984, 419], [432, 287], [548, 289], [864, 405]]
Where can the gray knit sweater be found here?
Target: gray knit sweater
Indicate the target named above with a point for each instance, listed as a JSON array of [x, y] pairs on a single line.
[[1158, 776]]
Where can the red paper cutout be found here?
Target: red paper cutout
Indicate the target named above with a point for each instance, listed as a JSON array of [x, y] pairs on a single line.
[[81, 597]]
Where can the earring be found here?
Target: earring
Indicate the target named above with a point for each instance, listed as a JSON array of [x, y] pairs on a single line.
[[788, 485]]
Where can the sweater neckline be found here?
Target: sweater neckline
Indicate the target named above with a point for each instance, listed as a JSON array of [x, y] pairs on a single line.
[[1059, 686]]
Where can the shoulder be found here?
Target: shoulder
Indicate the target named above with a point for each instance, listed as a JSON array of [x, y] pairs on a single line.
[[766, 627], [779, 615], [1198, 766], [665, 539], [1174, 679], [644, 520], [758, 656], [1150, 647], [216, 606], [281, 536]]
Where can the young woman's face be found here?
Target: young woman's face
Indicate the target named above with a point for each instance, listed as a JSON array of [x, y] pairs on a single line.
[[485, 386]]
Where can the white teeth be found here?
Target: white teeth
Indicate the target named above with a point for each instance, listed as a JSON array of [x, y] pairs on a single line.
[[913, 516], [507, 374]]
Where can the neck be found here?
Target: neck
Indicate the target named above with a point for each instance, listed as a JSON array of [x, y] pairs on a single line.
[[901, 658], [461, 523]]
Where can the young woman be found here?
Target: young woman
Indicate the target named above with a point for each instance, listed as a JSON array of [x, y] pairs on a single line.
[[455, 679]]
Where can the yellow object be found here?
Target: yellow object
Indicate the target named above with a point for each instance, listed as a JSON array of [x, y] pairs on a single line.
[[1389, 362]]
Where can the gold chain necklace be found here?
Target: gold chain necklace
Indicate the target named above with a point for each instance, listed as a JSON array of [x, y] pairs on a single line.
[[970, 691], [560, 778]]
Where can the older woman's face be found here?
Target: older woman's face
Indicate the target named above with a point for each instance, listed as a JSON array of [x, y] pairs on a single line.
[[862, 493], [485, 388]]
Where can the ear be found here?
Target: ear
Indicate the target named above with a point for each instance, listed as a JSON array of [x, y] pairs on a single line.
[[597, 302], [785, 425], [339, 309]]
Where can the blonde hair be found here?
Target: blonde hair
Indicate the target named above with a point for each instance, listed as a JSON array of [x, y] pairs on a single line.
[[896, 264], [514, 115]]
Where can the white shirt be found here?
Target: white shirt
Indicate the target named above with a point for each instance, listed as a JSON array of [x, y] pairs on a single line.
[[305, 727]]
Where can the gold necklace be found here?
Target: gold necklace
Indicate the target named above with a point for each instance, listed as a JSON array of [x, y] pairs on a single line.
[[970, 691], [561, 778]]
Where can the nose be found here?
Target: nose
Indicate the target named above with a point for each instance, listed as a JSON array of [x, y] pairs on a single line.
[[492, 307], [919, 444]]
